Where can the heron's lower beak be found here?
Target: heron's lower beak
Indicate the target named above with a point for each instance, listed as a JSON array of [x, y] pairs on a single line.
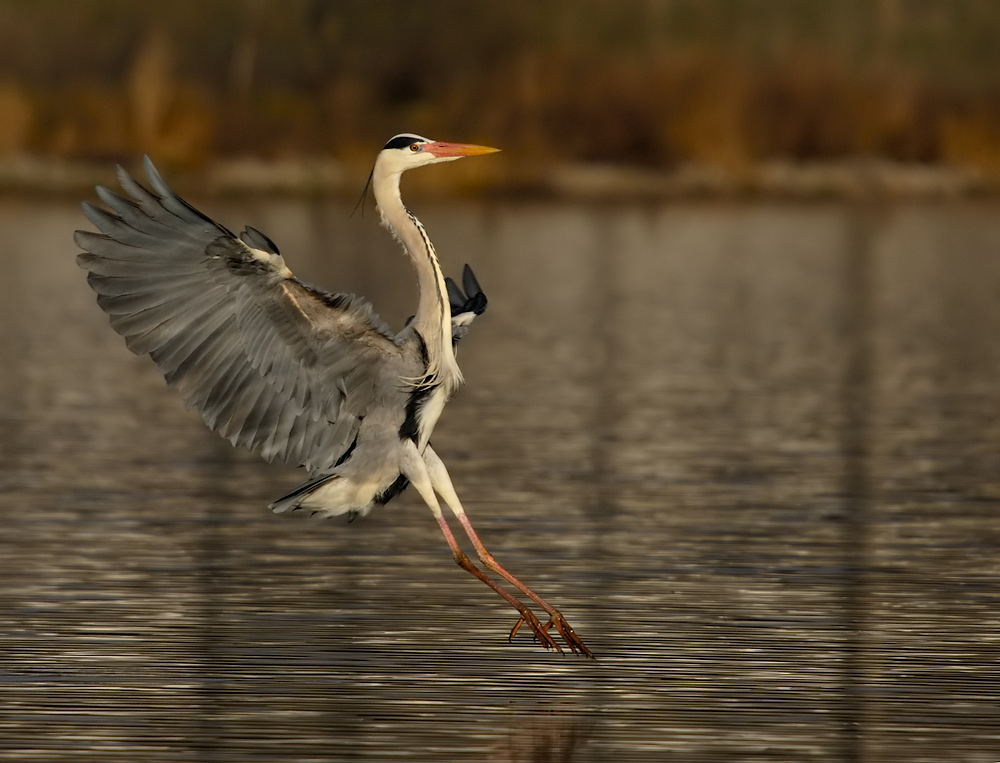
[[442, 150]]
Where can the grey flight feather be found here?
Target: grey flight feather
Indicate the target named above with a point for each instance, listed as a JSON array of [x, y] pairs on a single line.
[[270, 363]]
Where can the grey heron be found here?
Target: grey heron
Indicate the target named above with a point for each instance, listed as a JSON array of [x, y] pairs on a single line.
[[294, 373]]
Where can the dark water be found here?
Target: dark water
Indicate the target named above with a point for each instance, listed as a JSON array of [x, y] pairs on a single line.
[[752, 452]]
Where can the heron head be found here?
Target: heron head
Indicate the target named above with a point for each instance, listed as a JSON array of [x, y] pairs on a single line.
[[404, 152]]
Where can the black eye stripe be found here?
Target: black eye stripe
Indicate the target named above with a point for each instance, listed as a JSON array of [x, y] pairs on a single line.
[[401, 141]]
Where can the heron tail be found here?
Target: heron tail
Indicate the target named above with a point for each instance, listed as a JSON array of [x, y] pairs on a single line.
[[294, 499]]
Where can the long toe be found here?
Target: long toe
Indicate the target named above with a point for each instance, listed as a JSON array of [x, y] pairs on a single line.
[[568, 635], [541, 634]]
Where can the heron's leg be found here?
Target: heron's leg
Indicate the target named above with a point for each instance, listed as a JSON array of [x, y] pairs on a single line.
[[415, 470], [441, 481]]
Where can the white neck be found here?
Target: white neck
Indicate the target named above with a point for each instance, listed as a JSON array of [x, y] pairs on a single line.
[[433, 318]]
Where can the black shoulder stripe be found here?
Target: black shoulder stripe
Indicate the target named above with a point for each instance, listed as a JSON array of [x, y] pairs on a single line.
[[392, 491]]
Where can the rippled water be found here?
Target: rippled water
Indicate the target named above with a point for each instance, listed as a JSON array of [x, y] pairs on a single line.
[[751, 451]]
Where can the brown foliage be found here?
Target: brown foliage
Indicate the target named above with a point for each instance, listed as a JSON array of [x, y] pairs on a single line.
[[544, 100]]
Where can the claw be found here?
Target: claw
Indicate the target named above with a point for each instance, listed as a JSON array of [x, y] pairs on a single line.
[[541, 633], [573, 641], [563, 628]]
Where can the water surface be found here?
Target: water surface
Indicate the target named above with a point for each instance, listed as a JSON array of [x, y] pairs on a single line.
[[751, 451]]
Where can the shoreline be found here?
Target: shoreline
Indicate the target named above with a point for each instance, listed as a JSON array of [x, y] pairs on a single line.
[[29, 175]]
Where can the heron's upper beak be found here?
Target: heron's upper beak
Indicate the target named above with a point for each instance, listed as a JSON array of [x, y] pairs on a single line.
[[440, 149]]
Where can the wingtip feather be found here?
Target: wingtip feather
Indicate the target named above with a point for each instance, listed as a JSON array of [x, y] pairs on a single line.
[[155, 179], [470, 282], [94, 213], [84, 240]]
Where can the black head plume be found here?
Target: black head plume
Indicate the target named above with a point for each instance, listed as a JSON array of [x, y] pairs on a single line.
[[364, 195]]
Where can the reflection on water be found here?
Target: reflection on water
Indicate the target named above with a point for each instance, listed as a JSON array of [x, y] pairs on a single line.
[[750, 451]]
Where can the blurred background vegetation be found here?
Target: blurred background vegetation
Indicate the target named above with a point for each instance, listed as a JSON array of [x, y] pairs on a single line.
[[652, 84]]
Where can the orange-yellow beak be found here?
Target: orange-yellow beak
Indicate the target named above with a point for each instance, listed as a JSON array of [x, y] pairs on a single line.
[[441, 149]]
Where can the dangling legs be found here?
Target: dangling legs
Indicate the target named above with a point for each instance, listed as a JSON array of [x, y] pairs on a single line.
[[415, 471], [441, 482]]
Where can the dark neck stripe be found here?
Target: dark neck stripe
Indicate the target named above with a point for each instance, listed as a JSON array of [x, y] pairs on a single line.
[[429, 251]]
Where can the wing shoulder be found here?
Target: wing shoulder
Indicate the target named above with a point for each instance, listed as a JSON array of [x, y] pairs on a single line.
[[467, 302]]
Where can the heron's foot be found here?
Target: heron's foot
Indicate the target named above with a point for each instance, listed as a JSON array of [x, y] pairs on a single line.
[[576, 646], [541, 632]]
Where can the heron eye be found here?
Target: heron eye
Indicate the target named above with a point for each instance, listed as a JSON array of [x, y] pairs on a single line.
[[414, 147]]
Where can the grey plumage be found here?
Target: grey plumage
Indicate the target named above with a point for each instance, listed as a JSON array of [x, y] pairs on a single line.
[[272, 364], [292, 372]]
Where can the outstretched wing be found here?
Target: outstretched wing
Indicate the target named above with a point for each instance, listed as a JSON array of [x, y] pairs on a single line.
[[270, 363], [465, 305]]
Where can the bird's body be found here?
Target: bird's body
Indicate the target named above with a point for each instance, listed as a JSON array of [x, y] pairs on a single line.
[[290, 371]]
